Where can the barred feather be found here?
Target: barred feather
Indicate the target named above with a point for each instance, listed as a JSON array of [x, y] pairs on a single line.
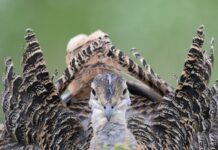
[[148, 68]]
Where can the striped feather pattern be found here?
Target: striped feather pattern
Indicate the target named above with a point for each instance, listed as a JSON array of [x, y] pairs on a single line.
[[36, 118]]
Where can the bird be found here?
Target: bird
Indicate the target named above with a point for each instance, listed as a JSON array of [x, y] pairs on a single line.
[[37, 118]]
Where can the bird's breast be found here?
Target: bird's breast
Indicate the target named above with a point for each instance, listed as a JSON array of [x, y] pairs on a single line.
[[112, 134]]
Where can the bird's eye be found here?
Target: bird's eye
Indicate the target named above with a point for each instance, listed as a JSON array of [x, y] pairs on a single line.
[[93, 92], [124, 91]]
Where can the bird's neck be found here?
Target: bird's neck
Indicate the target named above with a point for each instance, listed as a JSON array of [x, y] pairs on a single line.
[[110, 132], [99, 120]]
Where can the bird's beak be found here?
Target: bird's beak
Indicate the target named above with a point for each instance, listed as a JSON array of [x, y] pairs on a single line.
[[108, 111]]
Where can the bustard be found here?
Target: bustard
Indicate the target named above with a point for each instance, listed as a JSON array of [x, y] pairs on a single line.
[[37, 118]]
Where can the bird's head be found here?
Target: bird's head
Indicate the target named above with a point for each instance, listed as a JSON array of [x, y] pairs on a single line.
[[109, 96]]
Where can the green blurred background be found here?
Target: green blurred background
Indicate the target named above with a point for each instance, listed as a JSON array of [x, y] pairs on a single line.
[[161, 30]]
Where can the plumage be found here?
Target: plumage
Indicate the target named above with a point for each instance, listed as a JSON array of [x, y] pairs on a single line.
[[37, 118]]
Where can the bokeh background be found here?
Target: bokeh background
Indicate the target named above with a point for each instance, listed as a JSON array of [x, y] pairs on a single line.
[[161, 30]]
